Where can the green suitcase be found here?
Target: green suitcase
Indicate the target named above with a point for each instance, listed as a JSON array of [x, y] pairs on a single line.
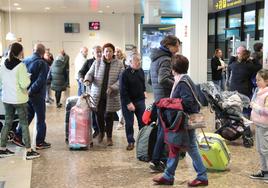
[[214, 151]]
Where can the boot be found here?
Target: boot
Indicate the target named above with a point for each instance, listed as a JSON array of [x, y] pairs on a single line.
[[109, 141], [100, 138]]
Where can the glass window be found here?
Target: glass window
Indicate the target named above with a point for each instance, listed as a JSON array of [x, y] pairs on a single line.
[[261, 19], [235, 20], [221, 25], [211, 27], [249, 22]]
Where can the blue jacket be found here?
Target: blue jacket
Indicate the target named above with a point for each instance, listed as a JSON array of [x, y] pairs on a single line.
[[38, 69], [183, 91]]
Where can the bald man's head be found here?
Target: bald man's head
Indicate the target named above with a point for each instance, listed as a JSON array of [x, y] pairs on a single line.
[[40, 49]]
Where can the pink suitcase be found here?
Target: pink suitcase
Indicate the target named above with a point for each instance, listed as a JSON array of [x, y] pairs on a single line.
[[80, 132]]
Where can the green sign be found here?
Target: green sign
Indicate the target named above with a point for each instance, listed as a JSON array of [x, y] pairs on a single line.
[[226, 4]]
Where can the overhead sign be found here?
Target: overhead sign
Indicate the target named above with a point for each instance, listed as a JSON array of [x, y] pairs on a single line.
[[226, 4]]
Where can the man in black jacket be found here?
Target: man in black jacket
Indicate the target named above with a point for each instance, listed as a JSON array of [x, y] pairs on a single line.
[[132, 93], [97, 53]]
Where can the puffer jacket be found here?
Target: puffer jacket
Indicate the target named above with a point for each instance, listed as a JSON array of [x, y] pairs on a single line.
[[58, 74], [161, 73], [95, 76]]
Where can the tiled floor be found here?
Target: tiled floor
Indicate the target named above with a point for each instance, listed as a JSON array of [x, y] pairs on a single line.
[[113, 166]]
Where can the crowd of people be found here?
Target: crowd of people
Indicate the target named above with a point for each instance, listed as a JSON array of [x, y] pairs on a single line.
[[117, 83]]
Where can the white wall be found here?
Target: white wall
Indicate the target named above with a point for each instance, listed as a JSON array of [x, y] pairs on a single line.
[[49, 28], [1, 32]]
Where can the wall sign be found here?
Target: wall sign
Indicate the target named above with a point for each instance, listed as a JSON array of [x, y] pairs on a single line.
[[94, 25], [226, 4]]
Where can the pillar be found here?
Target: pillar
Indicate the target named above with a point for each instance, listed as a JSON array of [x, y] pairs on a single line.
[[194, 47], [265, 36]]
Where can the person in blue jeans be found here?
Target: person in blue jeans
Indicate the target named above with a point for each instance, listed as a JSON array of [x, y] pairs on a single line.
[[182, 90], [38, 69], [132, 93]]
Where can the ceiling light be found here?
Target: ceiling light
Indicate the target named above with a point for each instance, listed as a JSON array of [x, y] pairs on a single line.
[[63, 7], [107, 6], [47, 8], [10, 36], [16, 4], [18, 8], [100, 11]]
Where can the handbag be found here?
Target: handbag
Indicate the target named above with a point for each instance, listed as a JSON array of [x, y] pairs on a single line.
[[196, 120]]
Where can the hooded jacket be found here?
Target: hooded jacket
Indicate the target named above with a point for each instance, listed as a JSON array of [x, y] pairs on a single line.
[[161, 73], [14, 81]]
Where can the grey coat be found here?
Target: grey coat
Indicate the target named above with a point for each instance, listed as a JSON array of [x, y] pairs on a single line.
[[95, 76], [161, 74]]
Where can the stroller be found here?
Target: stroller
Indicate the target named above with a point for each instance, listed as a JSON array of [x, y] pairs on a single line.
[[229, 120]]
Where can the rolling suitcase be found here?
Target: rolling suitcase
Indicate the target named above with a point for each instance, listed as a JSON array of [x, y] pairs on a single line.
[[80, 122], [213, 150]]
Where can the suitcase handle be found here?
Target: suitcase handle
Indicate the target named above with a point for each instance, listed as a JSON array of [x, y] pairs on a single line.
[[205, 139]]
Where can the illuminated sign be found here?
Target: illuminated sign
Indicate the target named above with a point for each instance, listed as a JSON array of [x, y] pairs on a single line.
[[226, 4], [94, 25]]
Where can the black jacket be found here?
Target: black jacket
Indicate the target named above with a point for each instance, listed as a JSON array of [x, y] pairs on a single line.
[[132, 86], [216, 74], [85, 68]]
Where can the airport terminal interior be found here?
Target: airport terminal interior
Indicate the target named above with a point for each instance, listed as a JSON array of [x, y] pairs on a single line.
[[202, 26]]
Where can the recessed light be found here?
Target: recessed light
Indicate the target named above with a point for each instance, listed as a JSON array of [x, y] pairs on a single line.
[[16, 4], [18, 8], [107, 6], [63, 7], [100, 11], [47, 8]]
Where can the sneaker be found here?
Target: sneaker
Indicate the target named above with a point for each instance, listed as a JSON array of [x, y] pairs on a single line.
[[157, 167], [248, 141], [6, 153], [260, 175], [95, 134], [32, 155], [109, 142], [43, 145], [17, 141]]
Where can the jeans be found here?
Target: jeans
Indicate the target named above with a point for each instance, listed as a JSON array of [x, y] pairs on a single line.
[[220, 83], [129, 118], [37, 105], [80, 88], [94, 122], [199, 167], [159, 145], [9, 116]]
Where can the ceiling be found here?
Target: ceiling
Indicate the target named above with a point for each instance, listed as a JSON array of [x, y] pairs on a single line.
[[88, 6], [168, 7]]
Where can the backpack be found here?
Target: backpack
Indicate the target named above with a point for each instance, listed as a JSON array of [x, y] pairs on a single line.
[[146, 140]]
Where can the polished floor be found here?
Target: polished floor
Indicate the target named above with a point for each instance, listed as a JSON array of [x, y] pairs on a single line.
[[103, 166]]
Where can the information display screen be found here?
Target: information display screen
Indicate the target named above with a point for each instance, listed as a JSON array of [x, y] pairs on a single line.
[[94, 25]]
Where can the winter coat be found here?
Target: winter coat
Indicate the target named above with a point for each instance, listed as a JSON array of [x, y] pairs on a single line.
[[95, 76], [14, 81], [58, 74], [160, 73], [241, 74], [259, 113], [216, 74], [38, 69]]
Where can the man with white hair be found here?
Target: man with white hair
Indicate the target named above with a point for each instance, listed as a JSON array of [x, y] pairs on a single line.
[[132, 93], [80, 59]]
